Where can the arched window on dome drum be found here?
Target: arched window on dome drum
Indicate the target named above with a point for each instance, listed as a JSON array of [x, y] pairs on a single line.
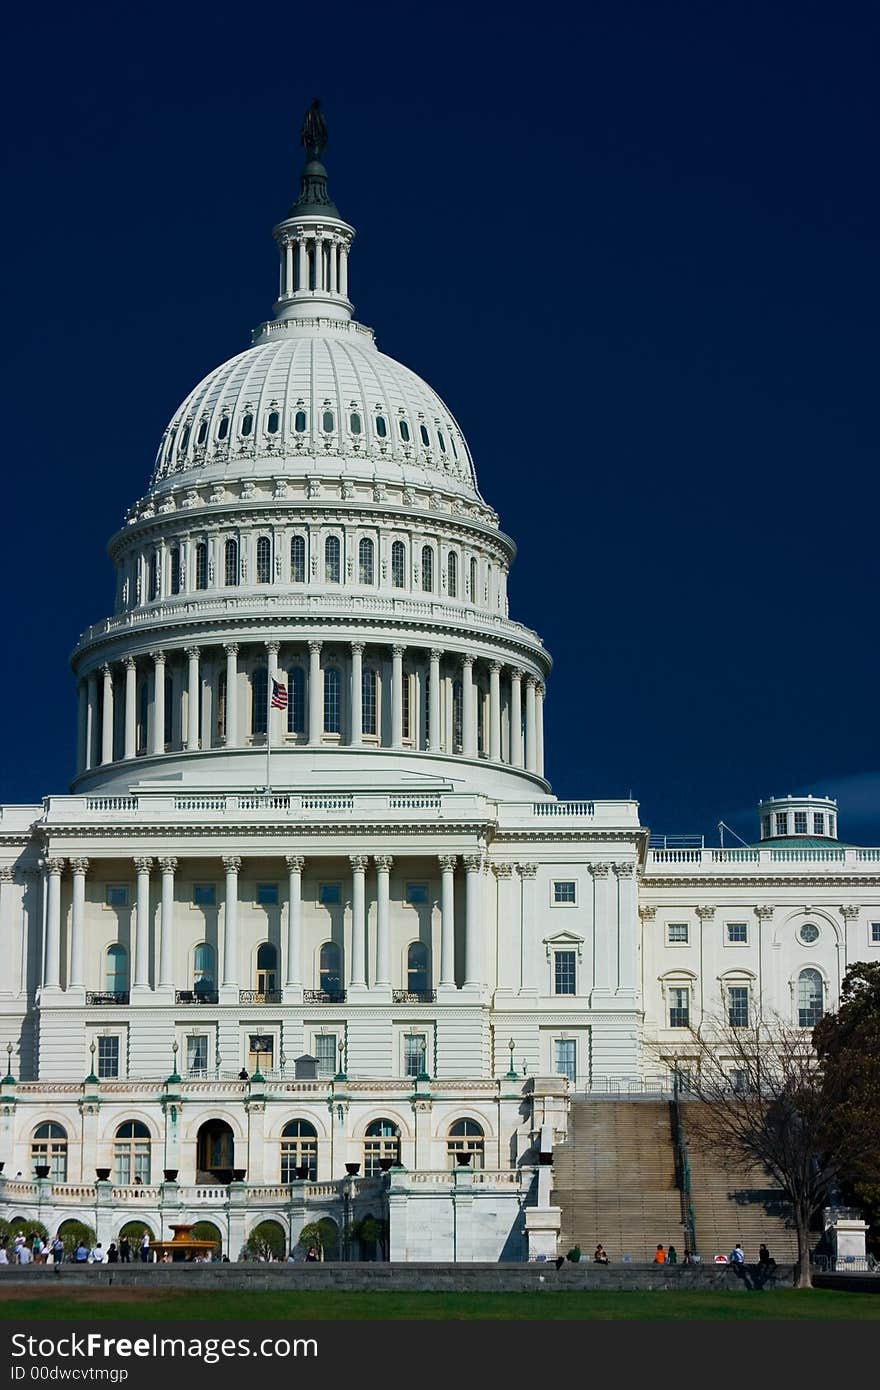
[[49, 1149], [466, 1137], [328, 423], [175, 570], [273, 420], [441, 441], [296, 701], [332, 560], [116, 970], [427, 569], [297, 559], [153, 584], [221, 705], [404, 431], [398, 565], [406, 706], [457, 713], [167, 732], [330, 969], [264, 560], [473, 585], [204, 970], [259, 700], [332, 713], [381, 426], [369, 691], [355, 424], [417, 968], [223, 427], [203, 431], [811, 998], [299, 1150], [201, 565], [452, 442], [299, 422], [247, 424], [381, 1141], [143, 716], [426, 438], [452, 574], [131, 1154], [231, 562], [365, 560], [481, 721]]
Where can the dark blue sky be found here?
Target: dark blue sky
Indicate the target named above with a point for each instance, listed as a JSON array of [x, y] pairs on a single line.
[[634, 247]]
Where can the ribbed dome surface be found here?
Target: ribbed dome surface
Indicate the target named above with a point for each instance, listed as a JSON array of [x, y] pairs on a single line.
[[307, 392]]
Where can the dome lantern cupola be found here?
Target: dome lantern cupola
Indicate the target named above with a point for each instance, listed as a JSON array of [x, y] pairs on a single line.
[[798, 817]]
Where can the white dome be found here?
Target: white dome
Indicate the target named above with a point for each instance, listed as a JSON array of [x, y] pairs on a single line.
[[309, 391]]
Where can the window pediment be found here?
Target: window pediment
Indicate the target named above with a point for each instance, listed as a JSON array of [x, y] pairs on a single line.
[[564, 941]]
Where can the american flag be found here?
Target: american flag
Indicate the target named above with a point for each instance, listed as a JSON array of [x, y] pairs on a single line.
[[279, 695]]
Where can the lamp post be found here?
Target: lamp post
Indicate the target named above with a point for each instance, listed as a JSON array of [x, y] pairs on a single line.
[[340, 1075], [9, 1076], [511, 1071], [92, 1078], [174, 1078]]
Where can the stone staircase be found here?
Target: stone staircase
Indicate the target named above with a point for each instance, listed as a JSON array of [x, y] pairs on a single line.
[[614, 1179]]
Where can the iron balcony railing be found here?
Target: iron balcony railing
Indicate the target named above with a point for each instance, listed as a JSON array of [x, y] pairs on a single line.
[[323, 996], [119, 996], [259, 996], [414, 996], [196, 996]]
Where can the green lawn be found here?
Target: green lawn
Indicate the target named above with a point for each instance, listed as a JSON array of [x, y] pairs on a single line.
[[685, 1306]]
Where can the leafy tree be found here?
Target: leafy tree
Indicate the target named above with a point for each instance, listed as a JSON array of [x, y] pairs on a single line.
[[206, 1230], [22, 1225], [72, 1232], [323, 1234], [370, 1232], [266, 1241]]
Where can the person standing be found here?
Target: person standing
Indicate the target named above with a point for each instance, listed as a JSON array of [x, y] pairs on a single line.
[[112, 1253], [672, 1256], [659, 1256], [58, 1249], [124, 1250], [145, 1247], [737, 1255]]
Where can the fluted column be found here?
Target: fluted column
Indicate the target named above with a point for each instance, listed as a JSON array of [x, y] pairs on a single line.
[[303, 258], [435, 732], [447, 920], [539, 729], [166, 923], [293, 975], [91, 719], [357, 694], [316, 713], [231, 650], [473, 867], [130, 747], [333, 259], [78, 924], [157, 742], [397, 696], [495, 711], [52, 976], [343, 271], [627, 939], [468, 709], [508, 917], [528, 969], [192, 700], [383, 864], [516, 740], [231, 865], [10, 938], [603, 929], [288, 266], [82, 726], [531, 726], [142, 925], [318, 244], [107, 716], [358, 921]]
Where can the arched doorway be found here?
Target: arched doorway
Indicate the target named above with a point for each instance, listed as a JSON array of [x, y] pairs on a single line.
[[215, 1152]]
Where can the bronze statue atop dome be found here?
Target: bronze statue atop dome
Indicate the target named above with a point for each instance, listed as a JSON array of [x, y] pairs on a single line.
[[313, 136]]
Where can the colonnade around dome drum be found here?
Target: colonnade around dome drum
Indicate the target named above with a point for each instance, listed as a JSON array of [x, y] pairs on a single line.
[[356, 694]]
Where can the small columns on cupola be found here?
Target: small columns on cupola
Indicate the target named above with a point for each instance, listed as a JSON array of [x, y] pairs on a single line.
[[313, 241]]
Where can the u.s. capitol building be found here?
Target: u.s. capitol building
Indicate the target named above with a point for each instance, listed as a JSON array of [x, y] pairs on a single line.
[[230, 970]]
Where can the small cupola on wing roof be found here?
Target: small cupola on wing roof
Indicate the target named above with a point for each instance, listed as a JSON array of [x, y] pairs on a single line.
[[807, 819]]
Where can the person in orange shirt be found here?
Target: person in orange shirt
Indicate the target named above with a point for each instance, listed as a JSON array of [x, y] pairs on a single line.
[[660, 1256]]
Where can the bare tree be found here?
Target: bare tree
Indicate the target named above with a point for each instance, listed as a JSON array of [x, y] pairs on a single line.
[[763, 1101]]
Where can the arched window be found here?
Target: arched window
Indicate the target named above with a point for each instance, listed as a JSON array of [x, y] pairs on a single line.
[[417, 968], [153, 589], [296, 701], [247, 424], [452, 574], [203, 431], [259, 700], [381, 1142], [299, 1149], [332, 713], [221, 705], [223, 427], [369, 690], [201, 565], [184, 441], [811, 998], [267, 968], [466, 1137], [297, 559], [328, 423], [264, 560], [204, 970], [299, 422], [404, 431], [354, 423], [441, 441], [116, 970], [473, 584], [427, 569], [381, 426], [231, 566], [398, 565], [365, 560], [273, 420], [332, 561], [330, 970], [457, 716], [49, 1148], [131, 1153], [426, 438], [175, 570]]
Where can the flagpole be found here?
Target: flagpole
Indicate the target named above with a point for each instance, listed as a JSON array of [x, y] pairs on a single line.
[[271, 656]]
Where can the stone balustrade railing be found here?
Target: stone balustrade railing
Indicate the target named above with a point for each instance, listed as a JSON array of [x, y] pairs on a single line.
[[791, 858]]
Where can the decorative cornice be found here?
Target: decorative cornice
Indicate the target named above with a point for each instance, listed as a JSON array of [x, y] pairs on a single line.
[[739, 881]]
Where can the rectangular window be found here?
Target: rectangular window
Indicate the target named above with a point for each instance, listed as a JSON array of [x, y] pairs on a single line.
[[197, 1054], [818, 822], [108, 1057], [116, 895], [800, 822], [679, 1008], [737, 933], [738, 1006], [329, 894], [739, 1081], [781, 822], [677, 933], [204, 895], [765, 827], [417, 894], [564, 892], [261, 1050], [875, 933], [415, 1052], [565, 1058], [325, 1051], [267, 894], [564, 972]]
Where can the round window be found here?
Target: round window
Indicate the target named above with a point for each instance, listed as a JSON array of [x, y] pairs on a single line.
[[809, 933]]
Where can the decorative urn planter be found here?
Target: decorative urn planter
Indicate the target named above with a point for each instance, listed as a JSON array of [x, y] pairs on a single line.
[[352, 1169], [302, 1172], [385, 1164], [42, 1170], [102, 1174], [239, 1174], [171, 1174], [463, 1160]]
